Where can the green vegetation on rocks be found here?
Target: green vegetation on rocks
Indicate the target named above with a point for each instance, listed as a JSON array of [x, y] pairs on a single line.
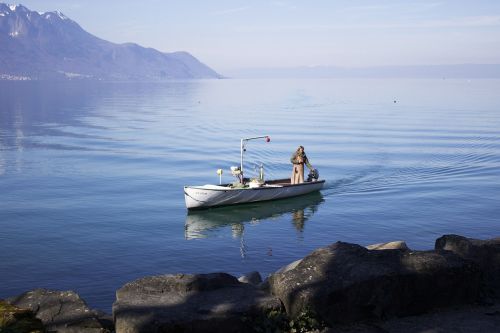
[[277, 321], [15, 320], [306, 321]]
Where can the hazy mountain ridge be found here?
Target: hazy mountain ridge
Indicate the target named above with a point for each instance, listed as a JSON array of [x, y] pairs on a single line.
[[51, 46], [461, 71]]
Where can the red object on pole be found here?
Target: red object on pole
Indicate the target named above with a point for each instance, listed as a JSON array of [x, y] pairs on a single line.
[[268, 139]]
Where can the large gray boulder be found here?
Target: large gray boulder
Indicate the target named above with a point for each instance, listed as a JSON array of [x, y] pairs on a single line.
[[346, 282], [61, 311], [215, 302], [485, 253]]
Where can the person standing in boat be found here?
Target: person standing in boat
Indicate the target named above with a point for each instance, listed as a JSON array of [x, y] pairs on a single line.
[[298, 159]]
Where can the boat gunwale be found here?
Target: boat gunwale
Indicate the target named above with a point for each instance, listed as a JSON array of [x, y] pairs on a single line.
[[200, 187]]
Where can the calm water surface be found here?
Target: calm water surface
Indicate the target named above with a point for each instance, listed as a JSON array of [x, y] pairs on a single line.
[[91, 174]]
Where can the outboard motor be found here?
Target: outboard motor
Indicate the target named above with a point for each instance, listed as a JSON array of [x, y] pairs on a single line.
[[313, 175]]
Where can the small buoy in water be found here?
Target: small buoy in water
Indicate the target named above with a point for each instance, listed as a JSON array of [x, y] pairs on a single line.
[[268, 139]]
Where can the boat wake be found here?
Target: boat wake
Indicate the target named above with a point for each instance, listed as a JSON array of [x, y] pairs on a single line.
[[474, 157]]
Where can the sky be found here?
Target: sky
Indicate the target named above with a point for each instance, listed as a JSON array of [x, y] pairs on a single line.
[[238, 34]]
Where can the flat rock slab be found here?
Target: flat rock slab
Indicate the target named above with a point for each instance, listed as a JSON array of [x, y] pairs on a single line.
[[345, 282], [464, 319], [215, 302], [60, 311], [396, 245]]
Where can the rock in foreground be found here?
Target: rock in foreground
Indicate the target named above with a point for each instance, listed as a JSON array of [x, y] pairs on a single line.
[[396, 245], [340, 288], [16, 320], [485, 253], [464, 319], [345, 282], [60, 311], [215, 302], [252, 278]]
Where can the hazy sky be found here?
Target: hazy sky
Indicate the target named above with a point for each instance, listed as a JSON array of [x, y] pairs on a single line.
[[256, 33]]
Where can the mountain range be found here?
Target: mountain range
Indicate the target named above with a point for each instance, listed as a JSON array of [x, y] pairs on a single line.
[[458, 71], [49, 45]]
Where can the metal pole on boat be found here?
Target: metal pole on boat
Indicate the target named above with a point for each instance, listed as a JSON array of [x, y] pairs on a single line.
[[242, 149], [219, 172], [241, 160]]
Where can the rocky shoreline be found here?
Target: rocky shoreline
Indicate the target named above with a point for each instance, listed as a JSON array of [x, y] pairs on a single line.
[[339, 288]]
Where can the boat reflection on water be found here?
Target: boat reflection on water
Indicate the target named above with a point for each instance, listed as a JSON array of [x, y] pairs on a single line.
[[203, 224]]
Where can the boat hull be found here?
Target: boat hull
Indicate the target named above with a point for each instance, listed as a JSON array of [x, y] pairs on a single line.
[[200, 197]]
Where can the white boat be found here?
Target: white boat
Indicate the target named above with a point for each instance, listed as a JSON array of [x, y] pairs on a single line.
[[206, 196]]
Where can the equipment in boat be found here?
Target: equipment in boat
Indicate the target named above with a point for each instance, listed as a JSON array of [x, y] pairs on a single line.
[[313, 175], [246, 190]]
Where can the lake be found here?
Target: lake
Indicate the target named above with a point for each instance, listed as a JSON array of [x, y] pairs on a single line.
[[92, 174]]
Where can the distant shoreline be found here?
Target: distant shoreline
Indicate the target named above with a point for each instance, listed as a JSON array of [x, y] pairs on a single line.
[[461, 71]]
